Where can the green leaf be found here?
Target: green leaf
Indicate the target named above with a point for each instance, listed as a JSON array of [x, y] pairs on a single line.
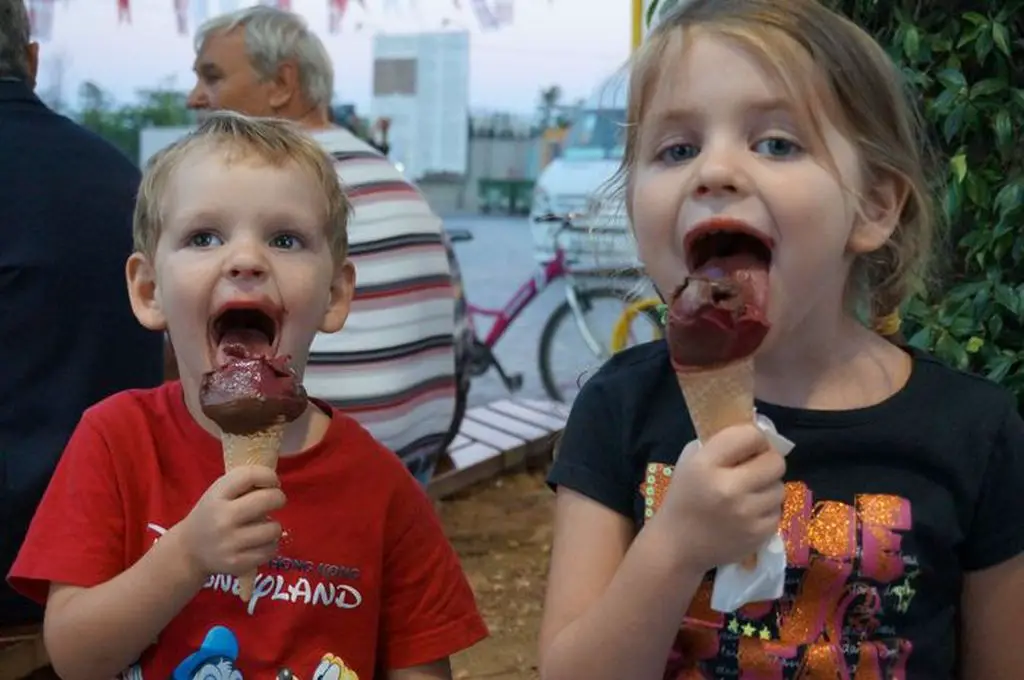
[[954, 122], [974, 344], [1010, 197], [983, 46], [1001, 37], [1008, 298], [958, 164], [912, 43], [921, 339], [975, 18], [1000, 368], [952, 79], [1004, 129], [951, 350], [987, 87], [1018, 97]]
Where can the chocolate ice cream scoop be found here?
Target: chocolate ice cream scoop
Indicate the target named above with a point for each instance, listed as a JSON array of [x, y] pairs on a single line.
[[713, 321], [251, 393]]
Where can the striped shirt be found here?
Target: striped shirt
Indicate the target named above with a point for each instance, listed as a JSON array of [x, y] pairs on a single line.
[[392, 367]]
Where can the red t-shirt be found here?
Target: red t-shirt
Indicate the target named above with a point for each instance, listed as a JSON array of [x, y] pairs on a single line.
[[364, 577]]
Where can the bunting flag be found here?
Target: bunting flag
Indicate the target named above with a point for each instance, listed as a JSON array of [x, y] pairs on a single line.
[[484, 16], [40, 17], [124, 11], [335, 14], [504, 12], [181, 8]]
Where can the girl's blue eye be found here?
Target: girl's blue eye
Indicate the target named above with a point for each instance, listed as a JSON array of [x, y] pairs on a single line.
[[678, 153], [203, 239], [778, 147], [286, 241]]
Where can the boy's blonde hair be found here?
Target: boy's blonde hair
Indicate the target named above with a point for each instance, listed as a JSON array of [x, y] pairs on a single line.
[[238, 137], [822, 58]]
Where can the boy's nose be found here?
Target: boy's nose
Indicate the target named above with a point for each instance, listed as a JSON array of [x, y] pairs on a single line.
[[245, 262]]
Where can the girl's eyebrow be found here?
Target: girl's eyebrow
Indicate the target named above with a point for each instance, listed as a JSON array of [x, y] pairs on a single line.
[[678, 116]]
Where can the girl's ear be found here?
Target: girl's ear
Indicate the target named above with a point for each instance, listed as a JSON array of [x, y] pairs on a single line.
[[879, 216], [142, 292]]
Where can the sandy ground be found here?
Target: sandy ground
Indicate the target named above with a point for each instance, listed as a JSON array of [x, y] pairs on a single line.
[[502, 531]]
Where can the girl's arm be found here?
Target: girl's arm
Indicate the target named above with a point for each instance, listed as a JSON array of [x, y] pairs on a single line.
[[95, 633], [614, 604], [992, 602]]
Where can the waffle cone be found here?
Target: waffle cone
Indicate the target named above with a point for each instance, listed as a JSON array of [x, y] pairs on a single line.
[[258, 448], [718, 398]]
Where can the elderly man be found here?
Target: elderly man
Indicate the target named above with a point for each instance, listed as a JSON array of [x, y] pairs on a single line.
[[67, 332], [393, 367]]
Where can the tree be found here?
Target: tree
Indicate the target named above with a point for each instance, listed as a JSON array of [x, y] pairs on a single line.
[[962, 59], [550, 99], [121, 124]]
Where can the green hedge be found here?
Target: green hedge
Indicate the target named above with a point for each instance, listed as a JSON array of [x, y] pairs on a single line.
[[957, 56]]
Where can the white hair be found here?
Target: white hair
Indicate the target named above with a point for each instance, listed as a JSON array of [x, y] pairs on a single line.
[[273, 37]]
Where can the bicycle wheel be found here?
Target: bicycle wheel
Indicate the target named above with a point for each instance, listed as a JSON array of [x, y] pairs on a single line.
[[561, 379]]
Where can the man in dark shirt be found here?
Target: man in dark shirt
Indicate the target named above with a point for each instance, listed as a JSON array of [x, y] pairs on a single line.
[[67, 334]]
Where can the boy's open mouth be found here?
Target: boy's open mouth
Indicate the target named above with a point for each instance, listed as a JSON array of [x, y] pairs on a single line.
[[252, 327]]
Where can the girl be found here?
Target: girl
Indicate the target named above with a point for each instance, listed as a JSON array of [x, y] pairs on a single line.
[[902, 505]]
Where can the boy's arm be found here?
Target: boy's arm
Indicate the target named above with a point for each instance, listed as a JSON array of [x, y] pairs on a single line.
[[101, 613], [439, 670], [95, 633]]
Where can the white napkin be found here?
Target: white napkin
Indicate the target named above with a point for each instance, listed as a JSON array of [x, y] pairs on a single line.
[[735, 585]]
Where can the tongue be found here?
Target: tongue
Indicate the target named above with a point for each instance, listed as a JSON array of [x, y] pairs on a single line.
[[745, 267], [243, 342]]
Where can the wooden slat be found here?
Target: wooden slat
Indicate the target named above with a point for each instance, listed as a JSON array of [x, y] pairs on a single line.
[[496, 438], [502, 422], [550, 422], [490, 436], [474, 454], [550, 407]]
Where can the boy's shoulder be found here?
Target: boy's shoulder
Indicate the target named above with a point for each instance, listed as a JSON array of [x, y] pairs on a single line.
[[154, 406]]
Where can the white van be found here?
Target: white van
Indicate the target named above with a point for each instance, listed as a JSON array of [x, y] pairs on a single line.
[[578, 182]]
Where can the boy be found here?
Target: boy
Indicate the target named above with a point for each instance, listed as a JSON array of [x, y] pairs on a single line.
[[240, 236]]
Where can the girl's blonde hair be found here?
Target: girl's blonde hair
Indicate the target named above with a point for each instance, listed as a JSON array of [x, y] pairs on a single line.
[[825, 59], [237, 137]]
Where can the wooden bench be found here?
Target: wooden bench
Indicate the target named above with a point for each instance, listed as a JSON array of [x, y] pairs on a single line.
[[501, 436], [22, 653]]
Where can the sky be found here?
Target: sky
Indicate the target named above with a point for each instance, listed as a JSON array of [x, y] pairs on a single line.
[[570, 43]]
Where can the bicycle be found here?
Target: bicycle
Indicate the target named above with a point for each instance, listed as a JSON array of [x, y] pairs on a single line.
[[651, 306], [578, 301]]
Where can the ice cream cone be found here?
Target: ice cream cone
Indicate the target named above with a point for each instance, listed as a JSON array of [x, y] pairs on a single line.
[[718, 398], [258, 448]]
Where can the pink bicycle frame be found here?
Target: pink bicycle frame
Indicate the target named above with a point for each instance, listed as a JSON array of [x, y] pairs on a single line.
[[544, 275]]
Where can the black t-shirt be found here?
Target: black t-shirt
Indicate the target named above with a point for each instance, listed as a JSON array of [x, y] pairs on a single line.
[[886, 508]]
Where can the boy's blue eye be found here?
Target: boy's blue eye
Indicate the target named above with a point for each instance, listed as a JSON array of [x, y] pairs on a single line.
[[286, 242], [778, 147], [204, 239], [678, 153]]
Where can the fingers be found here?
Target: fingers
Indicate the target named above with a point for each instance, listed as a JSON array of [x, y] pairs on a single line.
[[261, 537], [255, 505], [735, 445], [239, 481]]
